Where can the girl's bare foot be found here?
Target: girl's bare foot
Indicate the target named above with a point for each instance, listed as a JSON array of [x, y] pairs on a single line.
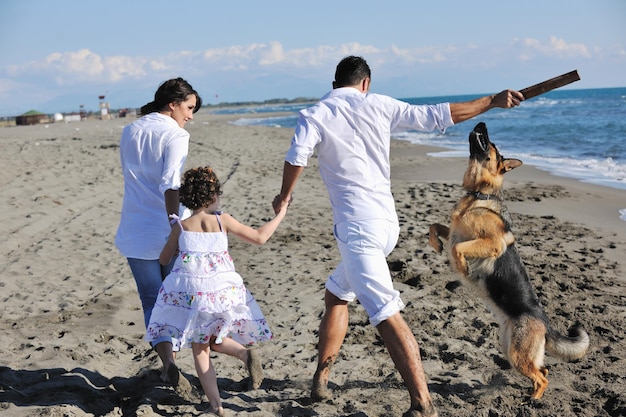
[[254, 369], [422, 411], [219, 411]]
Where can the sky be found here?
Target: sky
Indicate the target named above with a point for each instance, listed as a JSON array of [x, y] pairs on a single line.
[[56, 56]]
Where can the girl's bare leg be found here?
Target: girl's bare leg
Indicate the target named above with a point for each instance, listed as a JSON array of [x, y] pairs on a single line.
[[207, 376], [231, 348], [248, 356]]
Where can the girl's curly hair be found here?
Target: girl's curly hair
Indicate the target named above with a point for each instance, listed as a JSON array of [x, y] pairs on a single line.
[[200, 188]]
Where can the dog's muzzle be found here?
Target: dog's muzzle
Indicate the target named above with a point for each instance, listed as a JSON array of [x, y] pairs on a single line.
[[479, 141]]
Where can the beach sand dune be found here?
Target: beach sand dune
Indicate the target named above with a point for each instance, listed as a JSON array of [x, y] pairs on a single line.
[[72, 325]]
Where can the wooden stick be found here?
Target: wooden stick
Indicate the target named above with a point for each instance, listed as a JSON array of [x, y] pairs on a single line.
[[551, 84]]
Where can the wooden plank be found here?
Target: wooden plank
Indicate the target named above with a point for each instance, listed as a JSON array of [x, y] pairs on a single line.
[[551, 84]]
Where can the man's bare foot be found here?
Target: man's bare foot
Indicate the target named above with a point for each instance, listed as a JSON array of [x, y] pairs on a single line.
[[254, 369], [428, 411], [219, 412], [320, 391]]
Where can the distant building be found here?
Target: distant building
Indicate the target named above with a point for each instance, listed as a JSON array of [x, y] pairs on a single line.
[[73, 117], [32, 117]]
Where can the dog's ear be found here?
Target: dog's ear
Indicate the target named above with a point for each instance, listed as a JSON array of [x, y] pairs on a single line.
[[510, 164]]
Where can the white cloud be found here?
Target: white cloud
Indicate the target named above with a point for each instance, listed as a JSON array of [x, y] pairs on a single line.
[[69, 68], [555, 47], [118, 68], [273, 54], [83, 64], [270, 68]]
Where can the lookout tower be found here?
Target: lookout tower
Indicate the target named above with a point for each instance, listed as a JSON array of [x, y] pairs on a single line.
[[104, 109]]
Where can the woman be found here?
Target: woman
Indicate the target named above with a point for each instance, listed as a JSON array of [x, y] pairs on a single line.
[[153, 150]]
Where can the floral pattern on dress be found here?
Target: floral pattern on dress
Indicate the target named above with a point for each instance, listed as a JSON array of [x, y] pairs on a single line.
[[204, 297]]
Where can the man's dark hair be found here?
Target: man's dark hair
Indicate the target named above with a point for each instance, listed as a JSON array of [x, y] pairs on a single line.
[[351, 70]]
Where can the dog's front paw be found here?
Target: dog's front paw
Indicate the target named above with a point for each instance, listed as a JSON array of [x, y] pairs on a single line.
[[461, 264]]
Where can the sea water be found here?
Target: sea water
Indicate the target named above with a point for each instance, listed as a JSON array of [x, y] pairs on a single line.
[[579, 134]]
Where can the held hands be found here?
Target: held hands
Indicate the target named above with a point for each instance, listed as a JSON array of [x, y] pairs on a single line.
[[507, 99], [280, 203]]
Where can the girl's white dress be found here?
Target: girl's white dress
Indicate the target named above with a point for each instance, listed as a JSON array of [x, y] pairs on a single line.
[[204, 296]]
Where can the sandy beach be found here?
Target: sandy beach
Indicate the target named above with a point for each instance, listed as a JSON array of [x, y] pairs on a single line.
[[72, 327]]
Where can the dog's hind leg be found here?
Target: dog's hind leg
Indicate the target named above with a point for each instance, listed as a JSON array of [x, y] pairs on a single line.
[[435, 232], [540, 382], [526, 350]]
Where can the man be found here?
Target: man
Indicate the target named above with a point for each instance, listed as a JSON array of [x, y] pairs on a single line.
[[350, 128]]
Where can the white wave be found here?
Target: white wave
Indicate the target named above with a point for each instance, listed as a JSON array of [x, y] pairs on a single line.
[[550, 102], [424, 138], [450, 154], [278, 121], [605, 172], [249, 121]]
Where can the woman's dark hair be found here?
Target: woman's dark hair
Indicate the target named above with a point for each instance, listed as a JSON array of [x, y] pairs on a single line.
[[351, 70], [176, 91], [200, 188]]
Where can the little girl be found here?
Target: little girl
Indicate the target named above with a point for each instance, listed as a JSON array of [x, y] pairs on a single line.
[[203, 302]]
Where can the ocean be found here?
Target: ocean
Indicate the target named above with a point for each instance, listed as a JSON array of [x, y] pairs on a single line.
[[579, 134]]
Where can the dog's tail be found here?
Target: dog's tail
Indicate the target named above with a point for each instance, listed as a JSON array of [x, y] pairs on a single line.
[[570, 347]]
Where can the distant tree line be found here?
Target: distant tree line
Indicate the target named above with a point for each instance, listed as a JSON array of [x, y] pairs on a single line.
[[123, 112], [273, 101]]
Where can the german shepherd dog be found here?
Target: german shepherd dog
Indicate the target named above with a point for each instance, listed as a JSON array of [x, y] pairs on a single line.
[[481, 247]]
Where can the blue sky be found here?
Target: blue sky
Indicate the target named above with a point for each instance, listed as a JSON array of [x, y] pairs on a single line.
[[57, 55]]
